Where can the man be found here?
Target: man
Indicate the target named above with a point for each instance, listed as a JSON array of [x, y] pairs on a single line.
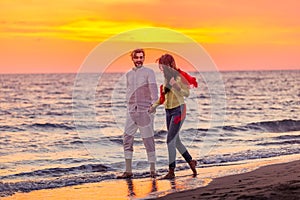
[[141, 93]]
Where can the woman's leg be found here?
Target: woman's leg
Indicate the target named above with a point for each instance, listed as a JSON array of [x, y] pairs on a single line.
[[182, 150], [173, 129], [171, 145], [180, 146]]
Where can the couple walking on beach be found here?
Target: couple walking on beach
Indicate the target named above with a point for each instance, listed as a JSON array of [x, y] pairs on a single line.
[[142, 101]]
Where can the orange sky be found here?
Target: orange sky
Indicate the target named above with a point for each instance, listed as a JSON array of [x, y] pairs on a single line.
[[39, 36]]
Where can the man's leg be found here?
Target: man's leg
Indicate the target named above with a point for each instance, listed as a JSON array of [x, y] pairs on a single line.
[[150, 149], [130, 130], [147, 132]]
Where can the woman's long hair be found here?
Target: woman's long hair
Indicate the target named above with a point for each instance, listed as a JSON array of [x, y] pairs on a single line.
[[167, 62]]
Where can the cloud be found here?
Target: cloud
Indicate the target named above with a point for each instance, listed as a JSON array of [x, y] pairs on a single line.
[[205, 21]]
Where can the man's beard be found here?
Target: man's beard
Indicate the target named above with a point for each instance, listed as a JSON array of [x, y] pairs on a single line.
[[138, 64]]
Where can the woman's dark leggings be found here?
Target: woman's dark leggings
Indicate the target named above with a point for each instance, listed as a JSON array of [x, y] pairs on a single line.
[[175, 118]]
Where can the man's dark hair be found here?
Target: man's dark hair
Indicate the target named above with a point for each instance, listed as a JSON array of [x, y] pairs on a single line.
[[134, 52]]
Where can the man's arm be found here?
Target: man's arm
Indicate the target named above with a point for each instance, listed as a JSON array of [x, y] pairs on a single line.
[[127, 88], [153, 86]]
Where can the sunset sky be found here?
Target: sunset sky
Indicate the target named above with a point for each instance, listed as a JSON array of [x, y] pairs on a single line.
[[39, 36]]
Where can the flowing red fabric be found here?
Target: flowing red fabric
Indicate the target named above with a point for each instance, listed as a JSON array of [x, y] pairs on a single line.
[[162, 97], [188, 79], [181, 117]]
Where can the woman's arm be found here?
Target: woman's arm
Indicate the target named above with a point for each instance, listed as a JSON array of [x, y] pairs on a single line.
[[153, 107], [180, 87], [160, 101]]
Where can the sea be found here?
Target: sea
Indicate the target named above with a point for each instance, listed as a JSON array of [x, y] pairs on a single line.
[[59, 130]]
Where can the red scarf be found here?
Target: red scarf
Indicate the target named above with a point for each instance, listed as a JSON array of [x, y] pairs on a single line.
[[162, 97], [188, 79]]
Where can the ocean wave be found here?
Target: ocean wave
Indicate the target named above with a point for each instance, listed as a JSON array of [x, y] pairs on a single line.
[[51, 126], [58, 113], [116, 139], [62, 177], [248, 155], [232, 128], [10, 129], [197, 130], [160, 134], [287, 137], [280, 126], [289, 142], [58, 172], [77, 142], [66, 126], [7, 189]]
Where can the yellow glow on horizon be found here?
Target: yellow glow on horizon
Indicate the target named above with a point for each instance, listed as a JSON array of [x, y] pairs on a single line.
[[244, 34], [95, 21], [97, 31], [75, 26]]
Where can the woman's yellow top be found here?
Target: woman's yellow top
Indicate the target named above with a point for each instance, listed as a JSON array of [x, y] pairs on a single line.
[[175, 97]]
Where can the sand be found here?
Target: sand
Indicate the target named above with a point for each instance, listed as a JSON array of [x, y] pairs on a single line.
[[272, 181]]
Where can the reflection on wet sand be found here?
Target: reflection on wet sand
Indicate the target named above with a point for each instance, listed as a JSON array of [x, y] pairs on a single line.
[[130, 187], [118, 189], [158, 187], [151, 188]]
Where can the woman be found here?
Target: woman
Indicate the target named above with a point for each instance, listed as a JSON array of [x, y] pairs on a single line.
[[175, 89]]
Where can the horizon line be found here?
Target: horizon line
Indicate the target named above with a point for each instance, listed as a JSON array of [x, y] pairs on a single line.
[[117, 72]]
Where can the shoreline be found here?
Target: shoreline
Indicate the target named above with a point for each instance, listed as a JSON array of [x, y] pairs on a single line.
[[271, 182], [253, 180]]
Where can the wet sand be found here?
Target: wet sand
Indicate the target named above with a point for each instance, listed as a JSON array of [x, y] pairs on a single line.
[[272, 181]]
